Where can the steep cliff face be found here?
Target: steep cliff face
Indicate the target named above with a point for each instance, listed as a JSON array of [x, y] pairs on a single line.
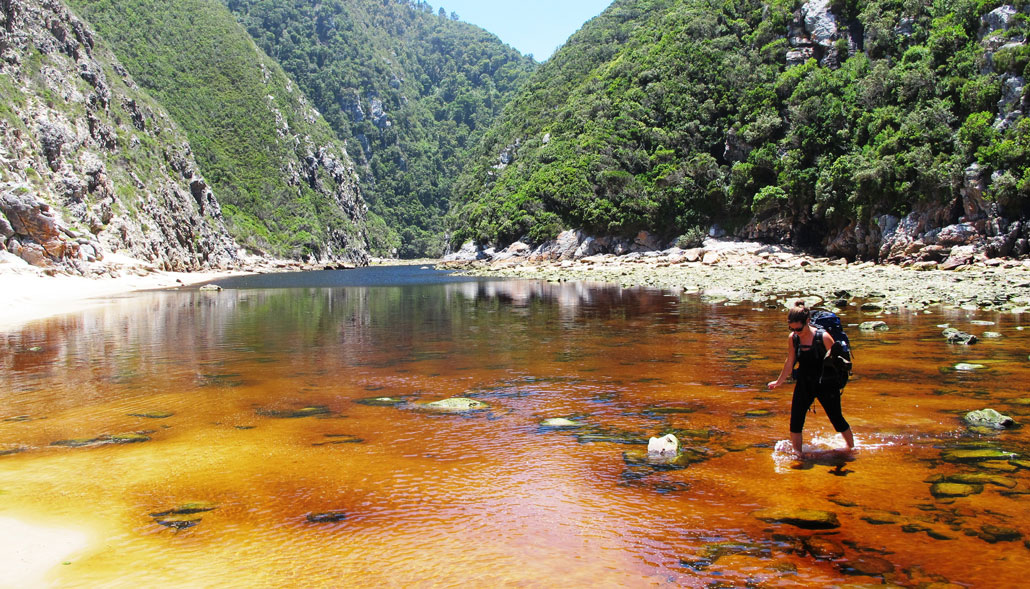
[[89, 163], [286, 184]]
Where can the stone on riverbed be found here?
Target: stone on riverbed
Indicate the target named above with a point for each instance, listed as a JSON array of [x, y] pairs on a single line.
[[561, 423], [954, 336], [153, 414], [128, 438], [382, 401], [989, 418], [992, 534], [968, 367], [823, 548], [874, 326], [944, 489], [456, 404], [809, 519], [312, 411], [866, 565], [975, 478], [975, 455], [326, 517]]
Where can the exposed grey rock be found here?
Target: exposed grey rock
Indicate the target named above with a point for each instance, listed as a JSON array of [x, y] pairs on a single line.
[[997, 19], [820, 22], [989, 418]]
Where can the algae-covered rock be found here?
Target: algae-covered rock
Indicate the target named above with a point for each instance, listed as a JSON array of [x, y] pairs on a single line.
[[126, 438], [456, 404], [178, 522], [976, 478], [311, 411], [153, 414], [945, 489], [975, 455], [989, 418], [382, 401], [326, 517], [188, 509], [809, 519], [684, 458], [758, 413]]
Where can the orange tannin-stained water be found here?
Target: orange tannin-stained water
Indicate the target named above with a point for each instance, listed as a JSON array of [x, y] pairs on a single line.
[[273, 437]]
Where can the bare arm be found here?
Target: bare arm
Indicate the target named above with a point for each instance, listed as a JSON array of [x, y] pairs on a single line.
[[788, 364]]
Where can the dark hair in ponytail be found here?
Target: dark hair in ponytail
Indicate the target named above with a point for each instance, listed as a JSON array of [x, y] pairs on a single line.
[[798, 314]]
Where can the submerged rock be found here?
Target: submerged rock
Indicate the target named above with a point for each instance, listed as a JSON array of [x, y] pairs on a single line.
[[382, 401], [968, 367], [188, 509], [975, 455], [989, 418], [992, 534], [456, 404], [684, 458], [128, 438], [561, 423], [866, 565], [809, 519], [340, 439], [183, 516], [945, 489], [975, 478], [823, 548], [153, 414], [312, 411], [874, 326], [326, 517]]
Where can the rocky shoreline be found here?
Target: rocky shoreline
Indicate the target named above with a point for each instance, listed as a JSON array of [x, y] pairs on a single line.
[[748, 271]]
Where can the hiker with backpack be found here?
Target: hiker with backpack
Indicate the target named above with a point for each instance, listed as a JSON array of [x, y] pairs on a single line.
[[819, 373]]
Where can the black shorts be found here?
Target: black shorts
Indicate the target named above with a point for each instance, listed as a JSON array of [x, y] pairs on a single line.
[[805, 392]]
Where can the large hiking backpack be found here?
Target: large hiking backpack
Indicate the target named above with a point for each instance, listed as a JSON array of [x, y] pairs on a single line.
[[836, 363]]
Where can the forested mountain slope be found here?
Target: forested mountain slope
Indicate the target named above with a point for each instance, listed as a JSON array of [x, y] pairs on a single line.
[[90, 164], [859, 127], [410, 89], [285, 183]]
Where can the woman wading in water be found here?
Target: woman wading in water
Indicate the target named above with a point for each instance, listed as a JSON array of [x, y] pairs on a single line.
[[809, 358]]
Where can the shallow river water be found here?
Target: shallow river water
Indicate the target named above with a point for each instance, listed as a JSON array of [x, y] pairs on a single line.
[[274, 437]]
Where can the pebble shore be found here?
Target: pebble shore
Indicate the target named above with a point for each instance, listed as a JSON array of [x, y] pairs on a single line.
[[752, 272]]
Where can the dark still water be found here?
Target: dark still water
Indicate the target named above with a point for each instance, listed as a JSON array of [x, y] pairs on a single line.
[[280, 437]]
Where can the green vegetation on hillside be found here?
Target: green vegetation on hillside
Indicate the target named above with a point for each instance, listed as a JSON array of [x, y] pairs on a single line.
[[669, 115], [258, 144], [409, 89]]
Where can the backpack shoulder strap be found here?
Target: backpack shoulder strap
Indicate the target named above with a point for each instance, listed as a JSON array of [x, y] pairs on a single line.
[[818, 341]]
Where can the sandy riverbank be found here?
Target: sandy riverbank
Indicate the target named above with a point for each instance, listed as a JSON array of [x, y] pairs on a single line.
[[28, 294], [755, 272], [30, 551]]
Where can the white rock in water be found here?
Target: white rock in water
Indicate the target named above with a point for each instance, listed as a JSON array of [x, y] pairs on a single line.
[[667, 445]]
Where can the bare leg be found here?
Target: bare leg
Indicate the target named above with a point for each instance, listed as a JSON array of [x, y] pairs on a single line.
[[795, 440], [849, 438]]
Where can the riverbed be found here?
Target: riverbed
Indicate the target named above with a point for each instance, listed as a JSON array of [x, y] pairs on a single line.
[[288, 434]]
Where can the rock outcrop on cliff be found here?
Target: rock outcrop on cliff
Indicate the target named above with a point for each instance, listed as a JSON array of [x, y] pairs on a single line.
[[89, 163]]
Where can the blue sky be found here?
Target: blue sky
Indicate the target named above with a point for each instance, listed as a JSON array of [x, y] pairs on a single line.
[[531, 26]]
